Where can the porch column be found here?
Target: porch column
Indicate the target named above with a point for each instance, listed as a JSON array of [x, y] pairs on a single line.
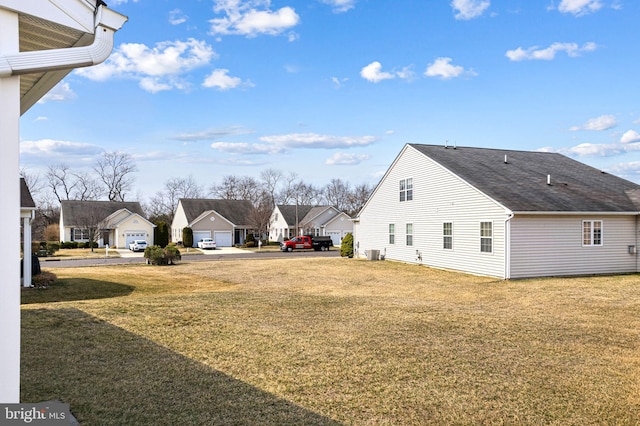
[[10, 217], [26, 252]]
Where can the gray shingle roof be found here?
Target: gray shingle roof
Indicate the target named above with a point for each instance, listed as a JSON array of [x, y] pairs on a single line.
[[235, 211], [289, 212], [26, 200], [521, 183], [75, 212]]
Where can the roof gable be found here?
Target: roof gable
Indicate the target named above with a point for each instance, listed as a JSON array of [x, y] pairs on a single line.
[[520, 182], [236, 212], [26, 200]]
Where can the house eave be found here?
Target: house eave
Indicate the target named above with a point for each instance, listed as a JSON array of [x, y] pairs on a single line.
[[576, 213]]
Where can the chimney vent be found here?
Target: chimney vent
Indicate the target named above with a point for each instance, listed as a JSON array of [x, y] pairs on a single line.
[[548, 179], [505, 159]]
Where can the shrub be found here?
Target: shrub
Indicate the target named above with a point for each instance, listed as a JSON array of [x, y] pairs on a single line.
[[161, 234], [187, 236], [157, 255], [90, 244], [44, 279], [346, 248], [52, 248], [69, 245]]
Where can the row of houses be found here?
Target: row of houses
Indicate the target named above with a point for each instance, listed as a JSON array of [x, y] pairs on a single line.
[[502, 213], [228, 222]]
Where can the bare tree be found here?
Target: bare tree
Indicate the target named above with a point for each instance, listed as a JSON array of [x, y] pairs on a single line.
[[69, 185], [163, 205], [270, 179], [115, 170], [238, 188], [357, 198], [89, 221], [336, 193]]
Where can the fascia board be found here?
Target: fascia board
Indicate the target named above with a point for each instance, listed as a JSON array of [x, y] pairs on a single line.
[[76, 14], [574, 213]]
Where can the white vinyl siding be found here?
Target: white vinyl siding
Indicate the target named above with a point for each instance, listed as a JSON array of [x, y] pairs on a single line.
[[439, 196], [553, 245]]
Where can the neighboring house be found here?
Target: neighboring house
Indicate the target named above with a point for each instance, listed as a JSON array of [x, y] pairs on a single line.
[[27, 214], [502, 213], [226, 221], [290, 220], [115, 223]]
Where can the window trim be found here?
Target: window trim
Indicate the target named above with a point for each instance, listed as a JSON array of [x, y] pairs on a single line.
[[448, 236], [406, 189], [392, 233], [592, 230], [486, 237], [409, 235]]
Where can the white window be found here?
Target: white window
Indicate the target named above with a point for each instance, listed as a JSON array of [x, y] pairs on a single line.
[[486, 237], [409, 234], [591, 232], [392, 233], [406, 189], [80, 234], [447, 235]]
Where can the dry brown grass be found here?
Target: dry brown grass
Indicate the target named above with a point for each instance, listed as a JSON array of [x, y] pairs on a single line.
[[300, 341]]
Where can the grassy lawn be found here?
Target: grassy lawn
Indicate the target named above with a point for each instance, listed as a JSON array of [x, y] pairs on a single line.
[[331, 341]]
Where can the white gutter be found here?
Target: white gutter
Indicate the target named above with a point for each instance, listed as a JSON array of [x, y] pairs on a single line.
[[107, 23], [507, 246], [575, 213]]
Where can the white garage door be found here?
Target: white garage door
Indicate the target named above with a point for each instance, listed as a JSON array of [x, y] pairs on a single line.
[[130, 236], [335, 237], [223, 238], [198, 235]]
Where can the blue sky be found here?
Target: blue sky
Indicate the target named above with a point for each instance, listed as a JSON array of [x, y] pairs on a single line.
[[334, 88]]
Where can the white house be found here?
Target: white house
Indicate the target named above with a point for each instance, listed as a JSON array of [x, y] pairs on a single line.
[[226, 221], [502, 213], [117, 223], [290, 220], [40, 43]]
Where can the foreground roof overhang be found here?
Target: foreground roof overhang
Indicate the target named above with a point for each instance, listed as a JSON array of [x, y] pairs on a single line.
[[56, 36]]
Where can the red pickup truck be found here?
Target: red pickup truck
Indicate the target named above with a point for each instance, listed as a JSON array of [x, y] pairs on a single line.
[[307, 242]]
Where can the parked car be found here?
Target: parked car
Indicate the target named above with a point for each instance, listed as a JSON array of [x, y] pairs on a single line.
[[138, 245], [207, 243]]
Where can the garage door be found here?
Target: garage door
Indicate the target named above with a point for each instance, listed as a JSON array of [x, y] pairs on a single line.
[[335, 237], [130, 236], [223, 239], [198, 235]]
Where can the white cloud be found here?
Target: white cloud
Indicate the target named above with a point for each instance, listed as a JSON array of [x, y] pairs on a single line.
[[252, 18], [373, 73], [247, 148], [60, 93], [442, 68], [158, 68], [340, 6], [604, 122], [346, 159], [176, 17], [579, 7], [469, 9], [51, 149], [630, 136], [622, 169], [222, 81], [594, 150], [212, 134], [549, 53], [314, 140]]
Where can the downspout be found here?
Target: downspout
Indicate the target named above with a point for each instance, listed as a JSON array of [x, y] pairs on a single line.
[[507, 246], [107, 23]]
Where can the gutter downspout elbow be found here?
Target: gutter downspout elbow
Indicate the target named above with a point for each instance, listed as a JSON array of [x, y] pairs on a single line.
[[107, 23]]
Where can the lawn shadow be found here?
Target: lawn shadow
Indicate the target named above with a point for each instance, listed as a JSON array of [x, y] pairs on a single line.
[[71, 289], [110, 376]]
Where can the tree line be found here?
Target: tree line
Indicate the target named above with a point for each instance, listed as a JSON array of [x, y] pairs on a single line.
[[112, 178]]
